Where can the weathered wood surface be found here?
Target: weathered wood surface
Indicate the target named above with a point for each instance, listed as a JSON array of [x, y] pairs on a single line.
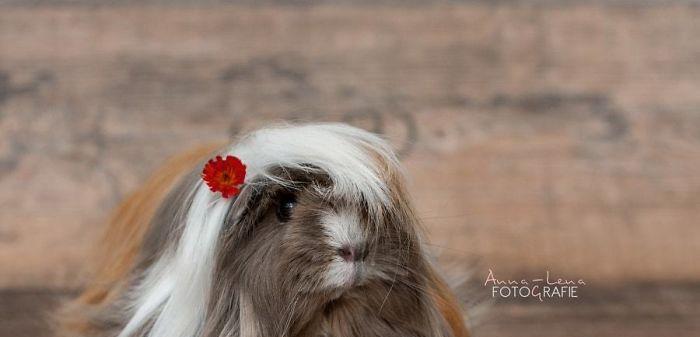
[[562, 138], [625, 311]]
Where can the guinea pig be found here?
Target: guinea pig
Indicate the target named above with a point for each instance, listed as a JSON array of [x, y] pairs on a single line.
[[320, 240]]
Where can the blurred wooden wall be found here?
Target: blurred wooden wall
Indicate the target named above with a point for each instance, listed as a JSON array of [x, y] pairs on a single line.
[[561, 137]]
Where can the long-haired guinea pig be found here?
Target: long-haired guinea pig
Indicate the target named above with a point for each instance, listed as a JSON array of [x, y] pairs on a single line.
[[321, 240]]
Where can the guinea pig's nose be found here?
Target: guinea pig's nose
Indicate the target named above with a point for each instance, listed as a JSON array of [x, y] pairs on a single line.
[[350, 253]]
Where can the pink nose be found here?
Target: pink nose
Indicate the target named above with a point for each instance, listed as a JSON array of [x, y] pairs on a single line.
[[348, 253]]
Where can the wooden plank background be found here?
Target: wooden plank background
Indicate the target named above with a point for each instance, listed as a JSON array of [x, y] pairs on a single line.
[[538, 137]]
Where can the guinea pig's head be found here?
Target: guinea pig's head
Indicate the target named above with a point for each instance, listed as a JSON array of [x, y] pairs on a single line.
[[321, 232], [297, 233]]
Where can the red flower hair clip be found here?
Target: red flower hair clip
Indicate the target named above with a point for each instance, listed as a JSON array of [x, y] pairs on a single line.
[[224, 175]]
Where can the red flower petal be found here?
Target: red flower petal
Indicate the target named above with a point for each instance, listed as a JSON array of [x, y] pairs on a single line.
[[224, 175]]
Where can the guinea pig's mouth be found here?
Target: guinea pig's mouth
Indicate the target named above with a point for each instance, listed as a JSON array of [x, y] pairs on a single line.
[[342, 276], [358, 276]]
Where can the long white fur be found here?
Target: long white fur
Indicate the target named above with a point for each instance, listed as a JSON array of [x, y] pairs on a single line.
[[339, 150], [174, 292]]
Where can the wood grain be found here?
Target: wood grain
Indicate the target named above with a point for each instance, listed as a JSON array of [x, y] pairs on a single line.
[[562, 138], [643, 311]]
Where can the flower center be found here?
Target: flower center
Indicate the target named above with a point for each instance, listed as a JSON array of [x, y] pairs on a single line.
[[227, 177]]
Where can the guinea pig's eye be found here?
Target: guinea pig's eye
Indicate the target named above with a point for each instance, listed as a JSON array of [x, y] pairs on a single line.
[[285, 205]]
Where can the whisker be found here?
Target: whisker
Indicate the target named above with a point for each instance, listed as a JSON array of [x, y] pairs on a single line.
[[387, 294]]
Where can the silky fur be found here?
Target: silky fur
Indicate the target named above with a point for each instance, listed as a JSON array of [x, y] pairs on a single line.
[[179, 262]]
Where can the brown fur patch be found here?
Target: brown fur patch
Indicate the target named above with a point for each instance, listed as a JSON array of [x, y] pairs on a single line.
[[448, 305], [117, 251]]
